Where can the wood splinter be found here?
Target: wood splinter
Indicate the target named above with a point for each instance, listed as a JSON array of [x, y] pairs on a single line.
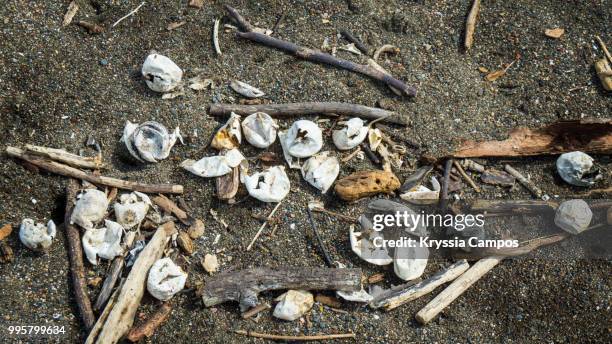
[[147, 328], [317, 56]]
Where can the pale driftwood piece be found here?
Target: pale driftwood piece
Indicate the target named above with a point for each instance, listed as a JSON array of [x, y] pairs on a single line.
[[73, 7], [513, 207], [604, 48], [147, 328], [455, 289], [68, 171], [526, 183], [401, 294], [94, 163], [310, 108], [216, 37], [253, 311], [75, 256], [95, 330], [169, 206], [470, 25], [317, 56], [295, 338], [121, 317], [113, 273], [245, 285], [227, 185], [525, 248]]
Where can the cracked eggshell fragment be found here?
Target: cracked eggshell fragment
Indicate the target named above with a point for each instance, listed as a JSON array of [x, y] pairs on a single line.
[[374, 138], [293, 304], [353, 133], [282, 136], [160, 73], [37, 236], [165, 279], [362, 243], [103, 242], [271, 185], [149, 141], [321, 171], [246, 90], [421, 195], [410, 262], [216, 166], [131, 209], [229, 135], [303, 139], [259, 129], [577, 168], [89, 208]]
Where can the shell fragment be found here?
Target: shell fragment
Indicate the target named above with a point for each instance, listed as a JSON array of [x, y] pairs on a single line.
[[303, 139], [271, 185], [131, 209], [215, 166], [149, 141], [351, 135], [229, 135], [165, 279], [160, 73], [259, 129], [246, 90], [89, 208], [37, 236], [103, 242], [321, 171]]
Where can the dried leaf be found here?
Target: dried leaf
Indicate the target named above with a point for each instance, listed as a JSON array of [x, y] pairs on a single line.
[[554, 33], [5, 231], [483, 69]]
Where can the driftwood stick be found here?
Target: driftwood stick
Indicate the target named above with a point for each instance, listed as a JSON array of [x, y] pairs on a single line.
[[121, 317], [513, 207], [320, 57], [263, 225], [338, 215], [147, 328], [465, 176], [328, 260], [526, 183], [75, 255], [445, 184], [455, 289], [68, 171], [242, 23], [245, 285], [359, 44], [259, 308], [169, 206], [61, 155], [295, 338], [113, 273], [403, 294], [470, 25], [525, 248], [310, 108], [95, 330]]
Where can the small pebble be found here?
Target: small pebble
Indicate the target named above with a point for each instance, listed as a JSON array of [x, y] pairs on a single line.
[[103, 62]]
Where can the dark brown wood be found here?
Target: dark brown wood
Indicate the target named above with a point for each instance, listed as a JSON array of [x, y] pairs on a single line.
[[147, 328], [359, 44], [75, 255], [311, 108], [445, 184], [513, 207], [365, 147], [6, 252], [68, 171], [244, 286], [328, 259], [242, 23]]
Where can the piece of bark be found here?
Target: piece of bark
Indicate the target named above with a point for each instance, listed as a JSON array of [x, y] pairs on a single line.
[[317, 56], [376, 278], [75, 256], [169, 206], [196, 3], [589, 136], [295, 338], [121, 317], [470, 25], [604, 72], [184, 242], [311, 108], [245, 285], [365, 184], [114, 272], [6, 253], [94, 163], [68, 171], [253, 311], [513, 207], [456, 288], [91, 27], [228, 184], [147, 328], [328, 301], [402, 294], [196, 230], [496, 177], [73, 7], [5, 231]]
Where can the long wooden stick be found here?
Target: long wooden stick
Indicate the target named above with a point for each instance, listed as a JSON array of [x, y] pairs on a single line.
[[95, 330], [121, 317], [114, 272], [317, 56], [470, 25], [61, 155], [147, 328], [68, 171], [401, 295], [311, 108], [455, 289], [295, 338], [75, 255]]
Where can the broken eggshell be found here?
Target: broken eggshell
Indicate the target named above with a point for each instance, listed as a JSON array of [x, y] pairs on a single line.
[[259, 129], [362, 243], [374, 138], [410, 262], [160, 73], [103, 242], [149, 141], [282, 137], [89, 208], [229, 135], [351, 135], [321, 170], [131, 209], [303, 139], [37, 236], [215, 166], [271, 185], [165, 279], [246, 90], [577, 168]]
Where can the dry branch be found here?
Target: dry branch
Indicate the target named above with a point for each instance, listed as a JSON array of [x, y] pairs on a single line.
[[75, 255], [67, 171], [317, 56], [526, 182], [94, 163], [512, 207], [169, 206], [259, 308], [121, 317], [470, 24], [295, 338], [402, 294], [311, 108], [147, 328], [589, 136], [113, 273], [245, 285]]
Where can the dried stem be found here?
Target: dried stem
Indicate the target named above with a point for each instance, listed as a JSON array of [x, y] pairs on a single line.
[[470, 25], [295, 338], [263, 225]]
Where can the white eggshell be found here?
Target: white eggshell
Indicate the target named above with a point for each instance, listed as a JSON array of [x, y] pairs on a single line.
[[165, 279], [89, 208], [161, 74], [37, 236]]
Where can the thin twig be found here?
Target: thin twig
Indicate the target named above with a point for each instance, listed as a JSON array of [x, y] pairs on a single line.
[[253, 311], [340, 216], [296, 338], [351, 156], [470, 25], [263, 225], [216, 37], [147, 328], [129, 14], [328, 259], [359, 44], [444, 195], [278, 21], [465, 176]]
